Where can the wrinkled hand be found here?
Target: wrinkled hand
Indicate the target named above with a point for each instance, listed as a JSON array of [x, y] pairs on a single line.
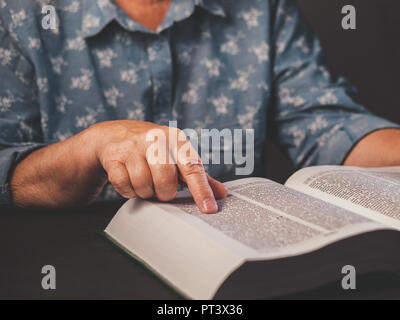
[[132, 163]]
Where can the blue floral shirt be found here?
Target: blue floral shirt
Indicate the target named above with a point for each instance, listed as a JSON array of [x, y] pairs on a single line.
[[250, 64]]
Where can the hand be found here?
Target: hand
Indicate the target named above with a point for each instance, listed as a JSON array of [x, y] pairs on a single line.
[[122, 149]]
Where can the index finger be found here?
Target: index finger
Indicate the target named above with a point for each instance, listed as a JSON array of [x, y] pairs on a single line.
[[194, 174]]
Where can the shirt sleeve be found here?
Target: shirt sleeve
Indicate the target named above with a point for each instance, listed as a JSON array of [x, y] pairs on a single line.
[[316, 120], [20, 129]]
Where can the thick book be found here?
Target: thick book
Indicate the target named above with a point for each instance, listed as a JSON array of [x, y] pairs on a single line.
[[269, 239]]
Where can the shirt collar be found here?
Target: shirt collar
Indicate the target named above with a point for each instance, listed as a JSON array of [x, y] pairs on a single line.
[[96, 15]]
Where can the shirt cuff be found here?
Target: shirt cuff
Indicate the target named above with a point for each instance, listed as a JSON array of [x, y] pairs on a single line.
[[9, 159], [336, 145]]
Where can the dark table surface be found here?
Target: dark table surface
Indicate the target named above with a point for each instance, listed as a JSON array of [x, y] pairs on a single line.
[[88, 266]]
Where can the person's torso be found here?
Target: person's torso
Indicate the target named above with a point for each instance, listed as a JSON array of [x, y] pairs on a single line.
[[207, 69]]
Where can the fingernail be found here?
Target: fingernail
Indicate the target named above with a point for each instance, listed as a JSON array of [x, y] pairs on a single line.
[[210, 205]]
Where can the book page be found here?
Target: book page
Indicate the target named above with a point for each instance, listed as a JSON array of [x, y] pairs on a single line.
[[271, 220], [373, 193]]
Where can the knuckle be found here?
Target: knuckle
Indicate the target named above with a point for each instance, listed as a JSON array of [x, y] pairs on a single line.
[[176, 133], [165, 197], [114, 149], [145, 193], [191, 168], [166, 192], [144, 190], [118, 182], [129, 194], [140, 184], [119, 150], [187, 155]]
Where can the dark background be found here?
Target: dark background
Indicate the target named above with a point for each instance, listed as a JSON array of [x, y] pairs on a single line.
[[369, 57]]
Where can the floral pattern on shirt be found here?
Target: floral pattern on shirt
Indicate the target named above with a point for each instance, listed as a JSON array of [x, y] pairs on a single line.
[[250, 64]]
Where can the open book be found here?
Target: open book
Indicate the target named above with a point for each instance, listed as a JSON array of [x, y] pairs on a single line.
[[268, 239]]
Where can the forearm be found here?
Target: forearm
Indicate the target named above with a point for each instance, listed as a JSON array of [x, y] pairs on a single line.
[[58, 176], [378, 149], [74, 172]]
